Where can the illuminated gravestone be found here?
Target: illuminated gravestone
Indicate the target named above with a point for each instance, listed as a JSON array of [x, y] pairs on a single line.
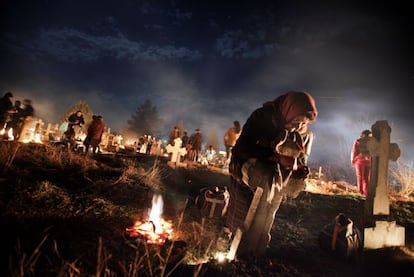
[[377, 204], [176, 152]]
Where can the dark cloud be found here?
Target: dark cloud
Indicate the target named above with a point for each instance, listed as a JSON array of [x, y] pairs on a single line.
[[74, 46], [211, 63]]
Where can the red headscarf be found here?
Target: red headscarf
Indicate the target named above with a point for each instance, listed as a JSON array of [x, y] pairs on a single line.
[[295, 103]]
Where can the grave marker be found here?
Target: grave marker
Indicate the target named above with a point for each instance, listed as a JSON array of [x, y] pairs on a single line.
[[176, 152], [384, 233]]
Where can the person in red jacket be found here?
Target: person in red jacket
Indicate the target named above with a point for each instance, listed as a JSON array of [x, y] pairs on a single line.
[[362, 163]]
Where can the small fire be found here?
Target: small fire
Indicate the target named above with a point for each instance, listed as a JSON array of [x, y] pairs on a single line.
[[155, 229], [9, 133]]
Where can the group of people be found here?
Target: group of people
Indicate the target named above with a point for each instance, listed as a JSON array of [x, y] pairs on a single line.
[[192, 143], [270, 152], [15, 115], [94, 131]]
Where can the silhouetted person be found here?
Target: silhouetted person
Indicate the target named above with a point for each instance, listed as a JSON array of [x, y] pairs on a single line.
[[16, 120], [175, 133], [27, 115], [75, 119], [195, 140], [185, 144], [210, 154], [6, 108], [94, 134], [184, 139], [230, 137]]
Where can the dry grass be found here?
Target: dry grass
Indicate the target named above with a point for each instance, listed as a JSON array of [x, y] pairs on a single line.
[[147, 259], [132, 173], [112, 195], [403, 174], [42, 155], [93, 198]]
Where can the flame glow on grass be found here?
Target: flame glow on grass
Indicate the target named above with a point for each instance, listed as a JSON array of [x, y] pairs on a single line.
[[155, 229]]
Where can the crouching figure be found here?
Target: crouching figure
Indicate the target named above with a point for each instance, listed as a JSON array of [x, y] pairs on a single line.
[[271, 154]]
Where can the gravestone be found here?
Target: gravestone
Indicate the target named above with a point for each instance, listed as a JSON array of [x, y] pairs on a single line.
[[385, 233], [143, 148], [176, 152]]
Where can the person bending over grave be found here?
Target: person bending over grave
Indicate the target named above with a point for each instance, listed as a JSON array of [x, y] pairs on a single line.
[[75, 119], [271, 153]]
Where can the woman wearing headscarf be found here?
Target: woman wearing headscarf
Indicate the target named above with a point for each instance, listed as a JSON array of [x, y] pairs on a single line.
[[271, 153]]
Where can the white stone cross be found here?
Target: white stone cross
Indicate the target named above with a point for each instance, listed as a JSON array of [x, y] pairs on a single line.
[[377, 203], [176, 151], [381, 151]]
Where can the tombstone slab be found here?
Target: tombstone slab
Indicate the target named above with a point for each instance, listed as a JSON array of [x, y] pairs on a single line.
[[384, 234]]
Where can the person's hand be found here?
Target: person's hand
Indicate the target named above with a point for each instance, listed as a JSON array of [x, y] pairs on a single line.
[[292, 146], [301, 173]]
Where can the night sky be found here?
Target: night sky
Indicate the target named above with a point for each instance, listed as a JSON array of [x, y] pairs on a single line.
[[209, 63]]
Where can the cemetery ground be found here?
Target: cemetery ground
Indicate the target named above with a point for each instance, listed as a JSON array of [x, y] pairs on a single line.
[[66, 214]]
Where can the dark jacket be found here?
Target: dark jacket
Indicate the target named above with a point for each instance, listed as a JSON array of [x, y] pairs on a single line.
[[95, 131], [28, 111], [196, 140], [6, 107], [265, 128], [74, 119]]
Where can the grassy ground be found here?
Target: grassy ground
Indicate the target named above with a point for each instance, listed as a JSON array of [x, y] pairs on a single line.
[[65, 214]]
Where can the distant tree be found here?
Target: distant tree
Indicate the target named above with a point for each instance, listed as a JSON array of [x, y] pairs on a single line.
[[212, 139], [80, 106], [180, 126], [145, 120], [87, 115]]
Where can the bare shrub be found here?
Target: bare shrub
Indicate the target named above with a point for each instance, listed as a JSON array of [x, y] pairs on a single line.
[[132, 173], [403, 174]]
